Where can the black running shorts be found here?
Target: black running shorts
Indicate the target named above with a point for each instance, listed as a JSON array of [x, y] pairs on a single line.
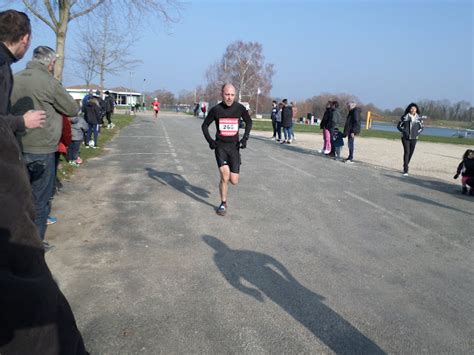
[[228, 154]]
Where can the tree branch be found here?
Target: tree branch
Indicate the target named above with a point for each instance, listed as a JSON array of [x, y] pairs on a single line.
[[86, 11], [30, 8], [51, 14]]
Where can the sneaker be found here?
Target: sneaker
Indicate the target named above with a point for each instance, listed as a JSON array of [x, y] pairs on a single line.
[[51, 220], [73, 163], [289, 142], [222, 209], [91, 143], [326, 152], [405, 174], [283, 142], [79, 160], [273, 138], [348, 161]]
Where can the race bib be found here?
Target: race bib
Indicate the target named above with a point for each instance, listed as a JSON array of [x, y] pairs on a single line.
[[229, 126]]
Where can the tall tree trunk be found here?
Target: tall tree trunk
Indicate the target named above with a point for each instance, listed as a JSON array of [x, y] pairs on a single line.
[[60, 46]]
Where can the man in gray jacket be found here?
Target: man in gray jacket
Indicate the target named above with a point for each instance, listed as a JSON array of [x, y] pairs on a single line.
[[35, 88]]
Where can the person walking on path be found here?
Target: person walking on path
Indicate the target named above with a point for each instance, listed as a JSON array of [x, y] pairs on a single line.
[[286, 121], [36, 88], [109, 109], [35, 316], [227, 115], [410, 126], [92, 116], [352, 128], [156, 107]]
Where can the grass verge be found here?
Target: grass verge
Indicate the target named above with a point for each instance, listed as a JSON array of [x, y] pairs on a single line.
[[65, 171], [267, 126]]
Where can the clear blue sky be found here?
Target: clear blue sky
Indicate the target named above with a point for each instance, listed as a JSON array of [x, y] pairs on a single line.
[[385, 52]]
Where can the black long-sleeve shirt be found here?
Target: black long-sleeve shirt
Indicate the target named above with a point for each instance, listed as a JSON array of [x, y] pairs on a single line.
[[227, 119]]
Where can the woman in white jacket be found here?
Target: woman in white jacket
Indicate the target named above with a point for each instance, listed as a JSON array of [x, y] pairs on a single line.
[[410, 126]]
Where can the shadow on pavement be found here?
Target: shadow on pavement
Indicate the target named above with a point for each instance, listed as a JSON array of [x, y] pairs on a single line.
[[178, 182], [270, 278], [431, 202], [427, 183]]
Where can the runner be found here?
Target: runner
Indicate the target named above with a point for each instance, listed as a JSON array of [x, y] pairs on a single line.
[[156, 107], [227, 115]]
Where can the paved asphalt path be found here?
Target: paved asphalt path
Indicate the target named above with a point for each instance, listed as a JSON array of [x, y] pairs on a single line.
[[314, 256]]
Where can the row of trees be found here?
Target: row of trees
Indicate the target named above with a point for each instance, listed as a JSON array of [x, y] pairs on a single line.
[[441, 110]]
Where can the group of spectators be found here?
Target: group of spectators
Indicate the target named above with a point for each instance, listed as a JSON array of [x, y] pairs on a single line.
[[332, 137], [35, 316], [282, 117]]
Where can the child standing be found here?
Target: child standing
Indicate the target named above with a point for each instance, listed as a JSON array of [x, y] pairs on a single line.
[[466, 169], [79, 126], [337, 143]]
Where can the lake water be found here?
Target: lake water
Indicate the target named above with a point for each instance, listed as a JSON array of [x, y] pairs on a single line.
[[428, 131]]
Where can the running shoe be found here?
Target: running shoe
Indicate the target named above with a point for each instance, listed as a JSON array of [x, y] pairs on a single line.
[[222, 209], [51, 220]]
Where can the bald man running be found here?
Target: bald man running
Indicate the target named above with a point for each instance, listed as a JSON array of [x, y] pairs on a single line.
[[227, 115]]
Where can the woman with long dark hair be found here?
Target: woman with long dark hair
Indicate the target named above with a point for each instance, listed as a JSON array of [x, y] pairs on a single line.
[[410, 126]]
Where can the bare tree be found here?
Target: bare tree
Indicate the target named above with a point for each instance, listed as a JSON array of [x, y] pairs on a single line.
[[106, 48], [57, 14], [242, 64]]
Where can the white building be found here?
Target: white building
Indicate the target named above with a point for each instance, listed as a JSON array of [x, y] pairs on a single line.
[[123, 96]]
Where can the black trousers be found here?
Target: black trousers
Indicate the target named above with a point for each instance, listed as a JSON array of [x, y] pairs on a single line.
[[108, 115], [408, 150], [274, 125]]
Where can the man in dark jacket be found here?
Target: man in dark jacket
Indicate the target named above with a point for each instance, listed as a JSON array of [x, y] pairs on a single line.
[[35, 317], [286, 121], [352, 128], [109, 108]]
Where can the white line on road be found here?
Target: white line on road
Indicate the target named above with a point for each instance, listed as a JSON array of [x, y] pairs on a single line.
[[402, 218], [292, 167], [180, 168]]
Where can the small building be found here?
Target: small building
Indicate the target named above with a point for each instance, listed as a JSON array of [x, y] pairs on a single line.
[[123, 96]]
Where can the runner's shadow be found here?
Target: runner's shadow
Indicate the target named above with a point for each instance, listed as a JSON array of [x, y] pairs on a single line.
[[268, 277], [181, 184]]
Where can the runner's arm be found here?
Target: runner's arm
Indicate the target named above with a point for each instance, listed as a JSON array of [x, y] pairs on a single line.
[[248, 124], [205, 126]]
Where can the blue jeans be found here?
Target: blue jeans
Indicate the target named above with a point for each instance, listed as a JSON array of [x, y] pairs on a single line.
[[350, 145], [93, 128], [73, 150], [278, 130], [41, 168], [287, 132]]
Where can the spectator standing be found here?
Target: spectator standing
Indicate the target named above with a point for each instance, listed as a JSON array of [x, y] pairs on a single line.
[[337, 143], [286, 121], [92, 116], [352, 127], [294, 112], [327, 125], [109, 109], [78, 128], [203, 110], [36, 88], [273, 117], [85, 99], [410, 126]]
